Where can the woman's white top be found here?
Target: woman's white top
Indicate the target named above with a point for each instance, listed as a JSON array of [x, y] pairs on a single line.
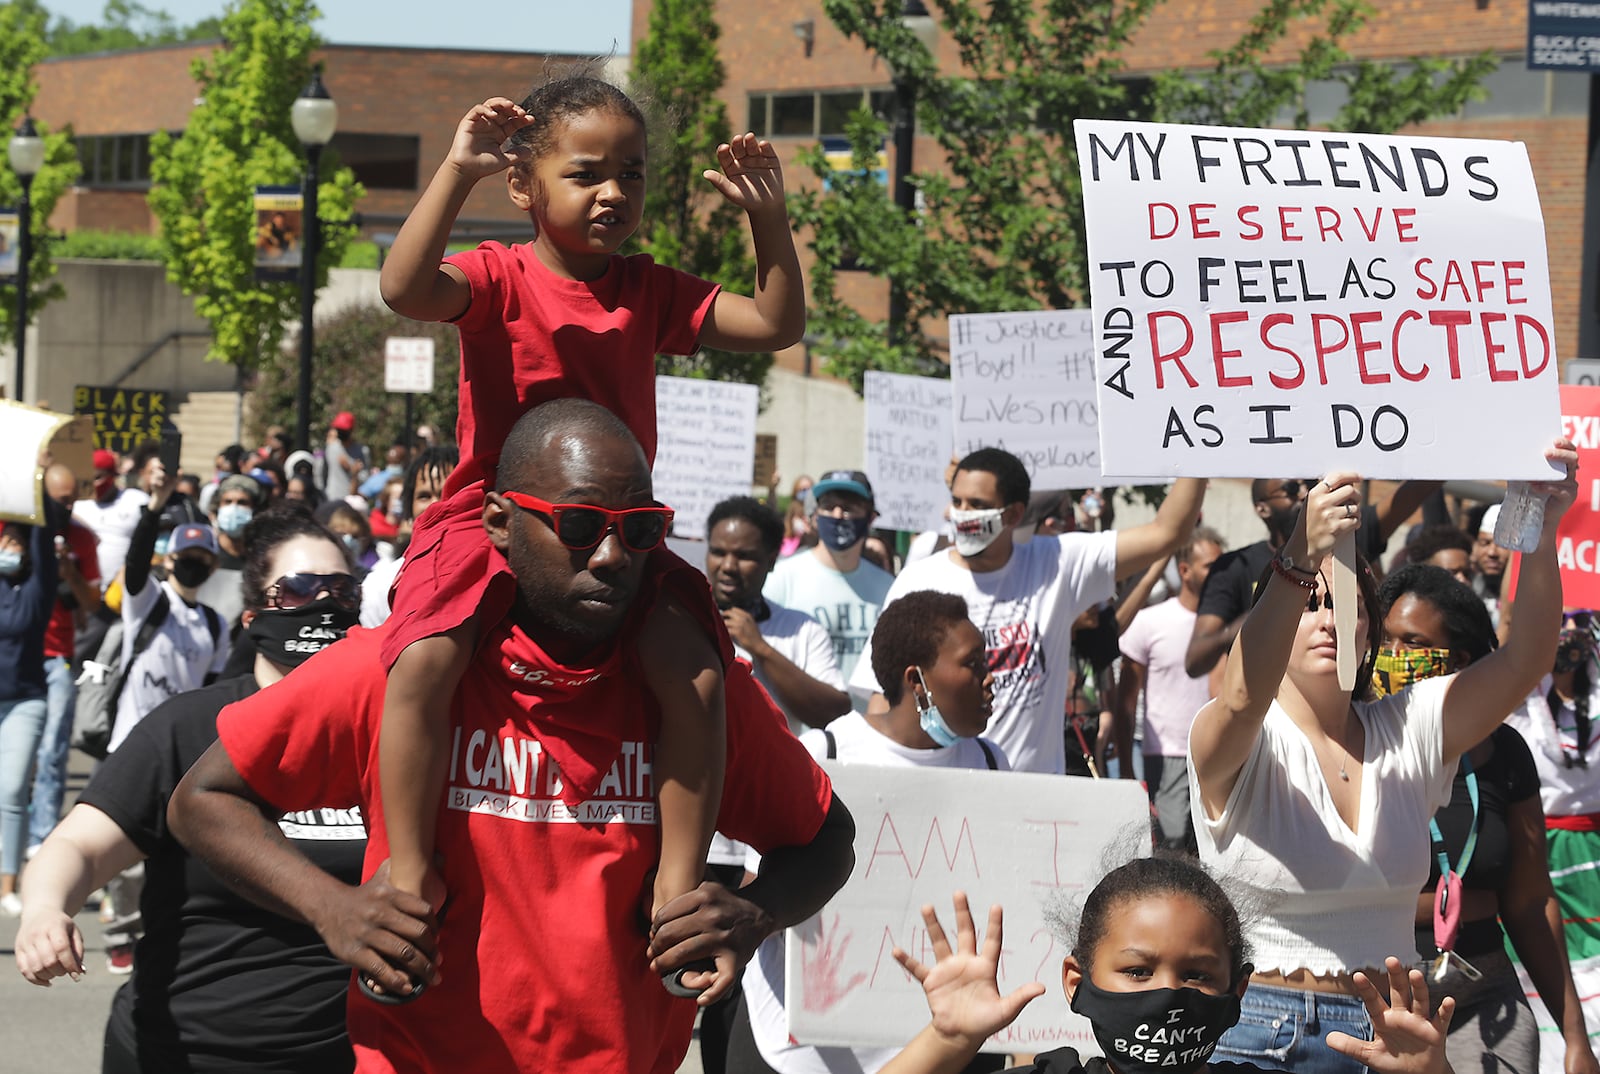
[[1325, 898]]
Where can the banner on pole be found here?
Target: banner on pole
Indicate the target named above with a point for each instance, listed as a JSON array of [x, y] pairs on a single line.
[[279, 233], [909, 438], [1026, 382], [1289, 302]]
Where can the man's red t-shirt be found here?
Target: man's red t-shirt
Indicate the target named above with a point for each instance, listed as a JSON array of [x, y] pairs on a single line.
[[530, 336], [58, 636], [543, 940]]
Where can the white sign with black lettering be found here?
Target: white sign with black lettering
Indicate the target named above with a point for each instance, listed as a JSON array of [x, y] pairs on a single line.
[[909, 436], [1025, 382], [705, 447]]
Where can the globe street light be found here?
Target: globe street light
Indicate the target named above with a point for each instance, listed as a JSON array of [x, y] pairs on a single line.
[[26, 153], [314, 116], [914, 17]]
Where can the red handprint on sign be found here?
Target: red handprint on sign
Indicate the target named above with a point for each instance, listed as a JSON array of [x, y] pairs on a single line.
[[821, 966]]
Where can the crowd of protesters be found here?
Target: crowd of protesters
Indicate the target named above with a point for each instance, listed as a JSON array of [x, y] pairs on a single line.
[[472, 800]]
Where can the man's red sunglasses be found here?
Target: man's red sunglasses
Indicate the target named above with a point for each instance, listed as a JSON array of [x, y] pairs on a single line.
[[581, 526]]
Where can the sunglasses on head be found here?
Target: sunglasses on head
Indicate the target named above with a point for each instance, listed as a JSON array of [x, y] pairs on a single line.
[[581, 527], [298, 590]]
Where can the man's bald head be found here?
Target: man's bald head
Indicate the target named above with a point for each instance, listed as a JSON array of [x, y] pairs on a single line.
[[60, 483], [578, 423]]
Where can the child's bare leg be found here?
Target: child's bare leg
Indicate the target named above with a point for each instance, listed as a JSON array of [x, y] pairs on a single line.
[[414, 749], [684, 672]]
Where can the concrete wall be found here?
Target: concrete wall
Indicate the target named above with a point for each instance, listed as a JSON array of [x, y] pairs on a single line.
[[820, 424]]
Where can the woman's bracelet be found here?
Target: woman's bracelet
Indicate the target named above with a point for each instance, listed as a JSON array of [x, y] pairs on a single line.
[[1289, 573]]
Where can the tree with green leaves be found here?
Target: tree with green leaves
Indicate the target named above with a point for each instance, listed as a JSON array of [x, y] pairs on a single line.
[[349, 362], [203, 182], [1003, 228], [124, 24], [22, 46], [677, 74]]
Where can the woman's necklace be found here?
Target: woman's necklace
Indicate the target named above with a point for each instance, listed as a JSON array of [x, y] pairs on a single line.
[[1344, 746]]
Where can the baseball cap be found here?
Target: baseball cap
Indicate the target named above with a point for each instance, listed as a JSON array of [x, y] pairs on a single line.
[[105, 460], [1490, 517], [344, 421], [852, 481], [193, 535]]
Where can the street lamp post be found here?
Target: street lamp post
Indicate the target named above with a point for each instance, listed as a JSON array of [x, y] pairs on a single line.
[[26, 153], [914, 17], [314, 116]]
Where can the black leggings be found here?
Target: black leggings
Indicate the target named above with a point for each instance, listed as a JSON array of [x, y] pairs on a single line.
[[745, 1058]]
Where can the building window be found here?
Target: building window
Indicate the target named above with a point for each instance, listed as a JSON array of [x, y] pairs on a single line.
[[380, 161], [115, 160], [758, 114], [794, 115]]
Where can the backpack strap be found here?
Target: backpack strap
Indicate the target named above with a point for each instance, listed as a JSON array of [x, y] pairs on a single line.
[[213, 624], [988, 755], [833, 744], [141, 641]]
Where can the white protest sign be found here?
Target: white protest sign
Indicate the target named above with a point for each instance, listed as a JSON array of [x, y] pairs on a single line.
[[1290, 302], [909, 441], [408, 364], [705, 447], [1025, 382], [1012, 838]]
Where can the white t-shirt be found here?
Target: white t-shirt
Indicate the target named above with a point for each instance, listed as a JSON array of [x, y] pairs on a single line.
[[807, 646], [1332, 900], [178, 659], [856, 742], [113, 524], [375, 591], [1158, 638], [1025, 611], [800, 639], [845, 604]]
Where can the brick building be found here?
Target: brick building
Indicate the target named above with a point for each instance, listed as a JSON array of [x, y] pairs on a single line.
[[794, 77], [398, 109]]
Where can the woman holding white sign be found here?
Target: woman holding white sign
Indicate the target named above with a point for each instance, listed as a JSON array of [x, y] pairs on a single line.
[[1319, 798]]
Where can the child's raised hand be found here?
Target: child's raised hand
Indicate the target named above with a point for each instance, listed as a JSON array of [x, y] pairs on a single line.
[[479, 148], [1407, 1040], [962, 987], [751, 175]]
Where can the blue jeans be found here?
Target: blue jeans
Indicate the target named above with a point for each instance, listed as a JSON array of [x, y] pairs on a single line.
[[1283, 1029], [50, 766], [21, 724]]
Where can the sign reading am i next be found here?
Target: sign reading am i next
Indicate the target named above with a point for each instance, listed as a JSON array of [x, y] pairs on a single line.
[[1564, 35]]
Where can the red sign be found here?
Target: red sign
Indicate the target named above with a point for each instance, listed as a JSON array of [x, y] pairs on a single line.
[[1578, 539]]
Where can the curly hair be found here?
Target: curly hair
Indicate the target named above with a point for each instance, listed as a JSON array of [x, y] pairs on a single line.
[[751, 510], [908, 634], [562, 99], [1163, 874], [1435, 539], [1465, 617]]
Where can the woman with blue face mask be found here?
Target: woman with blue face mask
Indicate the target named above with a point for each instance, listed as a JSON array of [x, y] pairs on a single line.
[[930, 660], [28, 579], [1488, 882]]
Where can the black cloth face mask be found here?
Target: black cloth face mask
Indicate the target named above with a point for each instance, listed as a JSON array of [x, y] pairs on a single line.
[[1158, 1031], [290, 636]]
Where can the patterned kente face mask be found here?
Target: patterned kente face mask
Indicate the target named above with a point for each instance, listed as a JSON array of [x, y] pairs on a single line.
[[1396, 669]]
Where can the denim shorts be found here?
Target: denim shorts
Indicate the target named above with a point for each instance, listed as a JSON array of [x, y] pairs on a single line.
[[1283, 1029]]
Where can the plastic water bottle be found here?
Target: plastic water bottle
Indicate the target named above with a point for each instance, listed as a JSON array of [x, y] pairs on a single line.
[[1521, 518]]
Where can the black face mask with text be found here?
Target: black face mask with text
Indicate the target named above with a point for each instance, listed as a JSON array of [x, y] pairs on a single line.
[[1159, 1031], [290, 636]]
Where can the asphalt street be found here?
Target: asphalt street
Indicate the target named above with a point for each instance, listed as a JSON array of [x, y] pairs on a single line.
[[60, 1028]]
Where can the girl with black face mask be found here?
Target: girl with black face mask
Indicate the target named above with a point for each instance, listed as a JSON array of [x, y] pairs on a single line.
[[215, 978], [1158, 968]]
